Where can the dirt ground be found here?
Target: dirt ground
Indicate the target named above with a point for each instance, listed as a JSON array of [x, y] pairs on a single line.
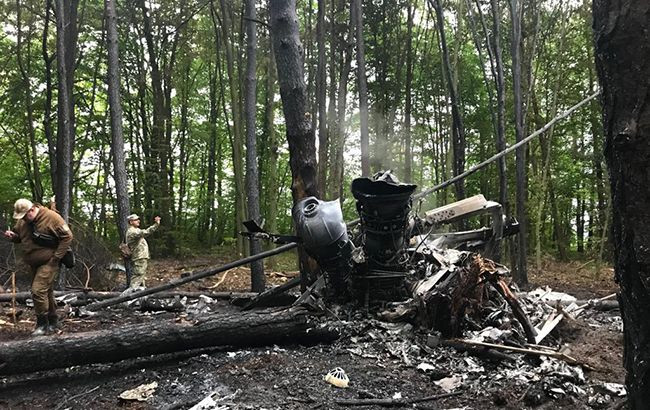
[[291, 377]]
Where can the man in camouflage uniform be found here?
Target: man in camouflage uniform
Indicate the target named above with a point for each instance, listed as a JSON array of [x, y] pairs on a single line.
[[139, 249], [44, 258]]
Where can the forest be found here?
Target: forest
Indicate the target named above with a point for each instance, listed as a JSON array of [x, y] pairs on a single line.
[[229, 121], [425, 88]]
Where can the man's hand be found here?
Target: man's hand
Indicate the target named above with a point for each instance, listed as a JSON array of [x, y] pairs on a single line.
[[9, 234], [156, 219]]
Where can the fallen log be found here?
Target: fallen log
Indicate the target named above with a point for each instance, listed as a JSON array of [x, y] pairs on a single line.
[[190, 278], [85, 297], [258, 328]]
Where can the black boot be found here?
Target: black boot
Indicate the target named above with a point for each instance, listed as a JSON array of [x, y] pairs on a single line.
[[42, 324], [53, 320]]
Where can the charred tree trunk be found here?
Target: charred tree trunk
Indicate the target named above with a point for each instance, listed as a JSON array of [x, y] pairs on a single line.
[[293, 91], [117, 142], [240, 329], [622, 42]]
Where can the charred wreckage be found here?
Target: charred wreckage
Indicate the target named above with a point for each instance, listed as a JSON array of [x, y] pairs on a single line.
[[392, 258]]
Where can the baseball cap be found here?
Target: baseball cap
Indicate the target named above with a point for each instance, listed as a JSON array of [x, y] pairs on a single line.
[[21, 207], [132, 217]]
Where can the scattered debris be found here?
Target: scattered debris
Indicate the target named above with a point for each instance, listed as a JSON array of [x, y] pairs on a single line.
[[141, 393], [337, 377]]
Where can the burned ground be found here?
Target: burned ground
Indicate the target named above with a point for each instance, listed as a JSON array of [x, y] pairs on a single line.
[[383, 361]]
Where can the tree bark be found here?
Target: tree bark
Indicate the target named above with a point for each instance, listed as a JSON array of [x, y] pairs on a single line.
[[521, 273], [115, 104], [66, 39], [47, 109], [272, 142], [622, 42], [252, 172], [302, 147], [111, 345]]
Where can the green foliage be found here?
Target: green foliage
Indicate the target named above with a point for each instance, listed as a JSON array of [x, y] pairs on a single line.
[[558, 72]]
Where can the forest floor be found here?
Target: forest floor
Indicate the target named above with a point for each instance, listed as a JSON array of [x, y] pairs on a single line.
[[381, 361]]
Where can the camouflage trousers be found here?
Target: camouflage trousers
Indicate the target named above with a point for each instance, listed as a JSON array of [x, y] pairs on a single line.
[[43, 289], [138, 273]]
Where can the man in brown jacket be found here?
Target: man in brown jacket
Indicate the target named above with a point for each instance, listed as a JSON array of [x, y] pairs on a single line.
[[45, 238]]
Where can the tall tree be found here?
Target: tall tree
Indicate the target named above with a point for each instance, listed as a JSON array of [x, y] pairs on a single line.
[[363, 87], [458, 140], [293, 91], [115, 105], [521, 273], [66, 40], [252, 173], [622, 42], [35, 181], [321, 94], [237, 129], [410, 9]]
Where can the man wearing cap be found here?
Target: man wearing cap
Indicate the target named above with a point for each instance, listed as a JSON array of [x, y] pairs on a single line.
[[33, 223], [139, 248]]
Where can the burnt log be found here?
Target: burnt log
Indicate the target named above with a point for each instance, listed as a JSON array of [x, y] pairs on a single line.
[[257, 328], [85, 297]]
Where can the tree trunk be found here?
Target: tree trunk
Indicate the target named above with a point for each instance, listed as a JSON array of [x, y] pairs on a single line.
[[458, 140], [521, 273], [272, 142], [501, 107], [24, 68], [115, 104], [408, 152], [156, 175], [363, 88], [238, 143], [47, 109], [321, 94], [302, 148], [252, 173], [337, 145], [210, 214], [66, 39], [237, 330], [622, 41]]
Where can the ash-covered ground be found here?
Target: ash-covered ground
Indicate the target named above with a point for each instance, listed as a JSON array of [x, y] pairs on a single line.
[[392, 363]]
